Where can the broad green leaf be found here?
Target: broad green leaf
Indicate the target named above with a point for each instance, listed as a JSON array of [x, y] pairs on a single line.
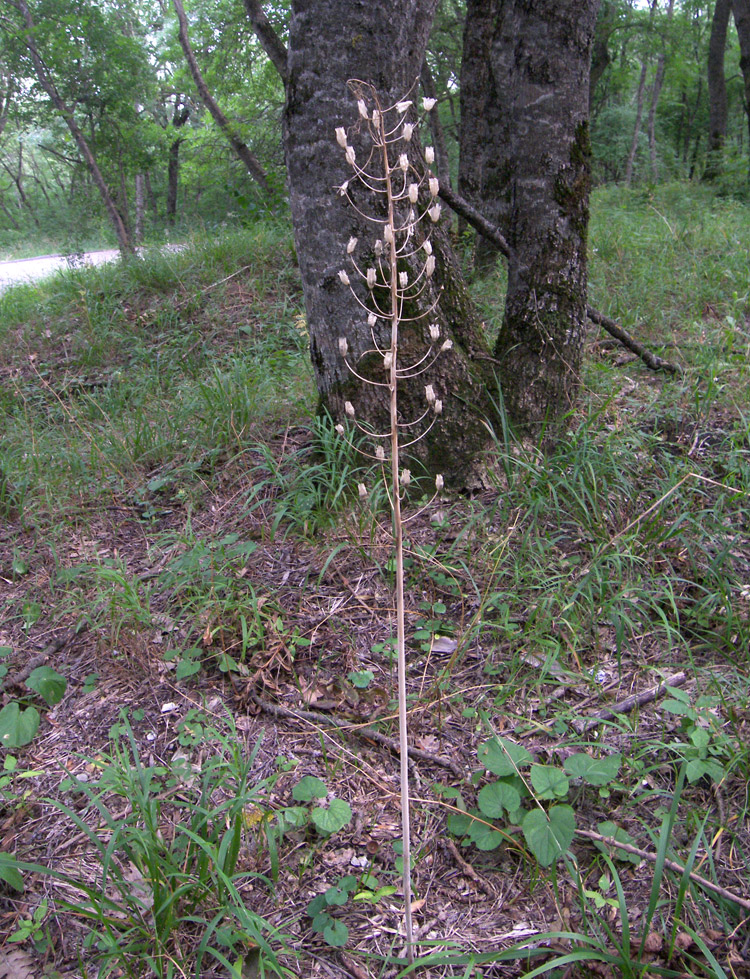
[[677, 707], [595, 771], [336, 934], [315, 907], [375, 896], [308, 788], [293, 817], [458, 823], [19, 565], [484, 836], [332, 819], [48, 684], [322, 919], [696, 768], [549, 834], [186, 668], [503, 757], [361, 678], [496, 797], [616, 832], [549, 782], [5, 651], [17, 726], [700, 737], [336, 895]]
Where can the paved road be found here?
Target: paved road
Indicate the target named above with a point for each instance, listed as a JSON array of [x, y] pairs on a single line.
[[34, 269]]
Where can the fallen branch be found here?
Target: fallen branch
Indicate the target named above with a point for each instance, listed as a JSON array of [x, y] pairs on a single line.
[[624, 706], [469, 871], [486, 228], [368, 733], [678, 868], [15, 679]]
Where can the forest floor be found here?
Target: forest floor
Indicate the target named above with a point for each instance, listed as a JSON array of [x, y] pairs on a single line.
[[198, 614]]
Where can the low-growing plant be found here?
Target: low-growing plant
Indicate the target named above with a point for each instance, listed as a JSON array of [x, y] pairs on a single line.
[[170, 891], [528, 795], [364, 889], [20, 717], [706, 748]]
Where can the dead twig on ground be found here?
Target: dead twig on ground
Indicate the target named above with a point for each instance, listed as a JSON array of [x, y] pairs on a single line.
[[678, 868], [14, 679], [634, 700], [368, 733]]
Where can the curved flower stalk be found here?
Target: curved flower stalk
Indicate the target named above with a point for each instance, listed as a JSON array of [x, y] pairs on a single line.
[[404, 208]]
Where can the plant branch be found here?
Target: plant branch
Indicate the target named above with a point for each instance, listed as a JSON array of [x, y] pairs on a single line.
[[478, 221], [241, 150]]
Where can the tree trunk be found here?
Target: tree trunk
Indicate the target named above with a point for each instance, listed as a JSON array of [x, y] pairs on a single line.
[[717, 90], [126, 246], [180, 116], [639, 107], [661, 63], [477, 167], [329, 44], [741, 11], [173, 177], [151, 198], [241, 150], [272, 44], [541, 60], [7, 90], [600, 56], [140, 208]]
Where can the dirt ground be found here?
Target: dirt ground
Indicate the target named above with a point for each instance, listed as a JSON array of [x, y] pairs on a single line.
[[294, 700]]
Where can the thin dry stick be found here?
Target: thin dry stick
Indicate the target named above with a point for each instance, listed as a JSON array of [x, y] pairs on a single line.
[[362, 731], [399, 184], [634, 700], [678, 868]]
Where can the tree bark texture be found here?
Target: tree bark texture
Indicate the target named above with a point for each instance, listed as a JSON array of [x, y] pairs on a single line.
[[479, 181], [47, 84], [540, 61], [717, 90], [241, 150], [331, 43], [741, 11]]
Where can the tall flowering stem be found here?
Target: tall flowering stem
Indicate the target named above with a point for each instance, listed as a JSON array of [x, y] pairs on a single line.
[[404, 205]]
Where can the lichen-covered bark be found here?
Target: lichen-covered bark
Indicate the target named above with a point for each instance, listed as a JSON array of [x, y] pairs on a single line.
[[382, 44], [542, 56]]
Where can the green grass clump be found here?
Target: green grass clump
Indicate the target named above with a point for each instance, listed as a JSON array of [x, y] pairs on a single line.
[[159, 365]]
